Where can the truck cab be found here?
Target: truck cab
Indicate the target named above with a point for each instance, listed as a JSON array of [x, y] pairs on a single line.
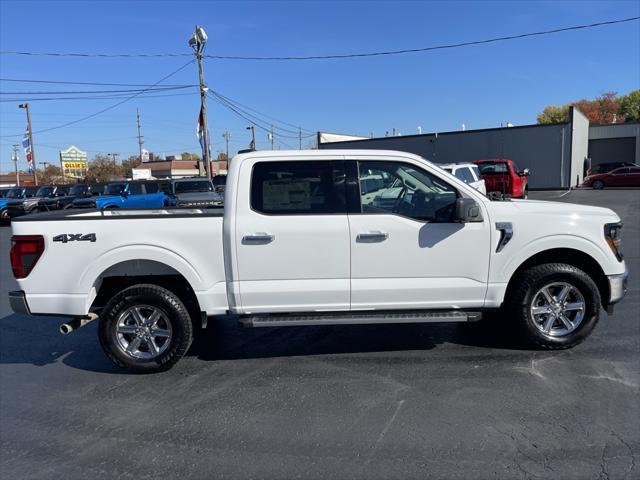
[[503, 175]]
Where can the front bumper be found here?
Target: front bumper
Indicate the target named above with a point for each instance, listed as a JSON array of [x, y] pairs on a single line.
[[617, 288], [18, 302]]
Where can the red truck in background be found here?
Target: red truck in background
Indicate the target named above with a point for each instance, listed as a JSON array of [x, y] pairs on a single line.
[[502, 175]]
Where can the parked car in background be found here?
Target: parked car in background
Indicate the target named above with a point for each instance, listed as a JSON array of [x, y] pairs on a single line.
[[15, 193], [219, 182], [608, 166], [468, 173], [79, 190], [4, 191], [620, 177], [197, 192], [29, 204], [503, 175], [130, 194]]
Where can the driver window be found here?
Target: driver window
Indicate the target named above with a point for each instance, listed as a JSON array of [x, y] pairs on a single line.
[[403, 189]]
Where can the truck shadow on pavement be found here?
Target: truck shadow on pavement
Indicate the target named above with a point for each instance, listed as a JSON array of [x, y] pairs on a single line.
[[36, 341]]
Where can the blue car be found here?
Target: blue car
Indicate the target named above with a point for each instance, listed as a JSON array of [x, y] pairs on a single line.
[[130, 194]]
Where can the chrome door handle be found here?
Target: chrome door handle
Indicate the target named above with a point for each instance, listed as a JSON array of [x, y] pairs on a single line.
[[372, 237], [258, 238]]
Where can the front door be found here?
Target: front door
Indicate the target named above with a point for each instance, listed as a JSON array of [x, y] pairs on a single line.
[[292, 236], [406, 252]]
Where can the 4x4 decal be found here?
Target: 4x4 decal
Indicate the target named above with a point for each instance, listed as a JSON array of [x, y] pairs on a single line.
[[75, 237]]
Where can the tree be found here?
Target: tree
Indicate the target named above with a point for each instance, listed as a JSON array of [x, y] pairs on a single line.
[[553, 114], [101, 169], [607, 108], [129, 164], [630, 106], [189, 156], [50, 175]]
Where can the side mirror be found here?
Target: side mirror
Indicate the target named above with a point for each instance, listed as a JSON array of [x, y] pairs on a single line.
[[467, 210], [124, 193], [525, 172]]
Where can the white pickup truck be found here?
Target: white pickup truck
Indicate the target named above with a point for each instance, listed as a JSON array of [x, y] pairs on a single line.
[[297, 243]]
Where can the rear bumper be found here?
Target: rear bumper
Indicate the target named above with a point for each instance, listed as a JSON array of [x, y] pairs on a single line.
[[18, 302]]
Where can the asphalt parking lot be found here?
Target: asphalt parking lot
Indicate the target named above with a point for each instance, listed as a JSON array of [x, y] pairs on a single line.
[[404, 401]]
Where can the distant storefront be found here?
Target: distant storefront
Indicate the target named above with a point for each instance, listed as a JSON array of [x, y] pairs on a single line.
[[73, 163]]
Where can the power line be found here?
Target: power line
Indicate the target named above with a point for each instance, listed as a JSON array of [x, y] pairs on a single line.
[[332, 56], [87, 117], [82, 92], [97, 97], [62, 82], [259, 113], [255, 120]]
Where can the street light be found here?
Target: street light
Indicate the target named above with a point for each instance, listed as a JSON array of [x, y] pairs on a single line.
[[252, 145]]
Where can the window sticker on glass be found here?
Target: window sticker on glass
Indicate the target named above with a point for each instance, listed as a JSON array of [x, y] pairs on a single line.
[[286, 195]]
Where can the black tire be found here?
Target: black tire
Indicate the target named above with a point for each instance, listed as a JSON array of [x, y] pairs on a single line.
[[525, 193], [598, 185], [164, 301], [530, 282]]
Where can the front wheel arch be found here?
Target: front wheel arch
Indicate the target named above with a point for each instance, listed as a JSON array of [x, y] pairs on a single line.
[[568, 256]]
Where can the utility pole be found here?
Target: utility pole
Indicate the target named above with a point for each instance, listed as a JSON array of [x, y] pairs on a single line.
[[227, 136], [33, 153], [271, 137], [299, 138], [140, 141], [198, 41], [115, 168], [15, 159]]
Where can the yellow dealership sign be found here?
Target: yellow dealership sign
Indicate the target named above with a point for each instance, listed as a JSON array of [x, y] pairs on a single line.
[[73, 162]]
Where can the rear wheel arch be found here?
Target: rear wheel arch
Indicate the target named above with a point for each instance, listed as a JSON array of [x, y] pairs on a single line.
[[119, 277], [568, 256]]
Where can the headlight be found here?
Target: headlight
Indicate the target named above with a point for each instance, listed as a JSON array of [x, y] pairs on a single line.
[[612, 233]]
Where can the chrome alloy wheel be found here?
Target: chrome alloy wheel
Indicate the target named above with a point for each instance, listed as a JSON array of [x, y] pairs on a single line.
[[558, 309], [143, 332]]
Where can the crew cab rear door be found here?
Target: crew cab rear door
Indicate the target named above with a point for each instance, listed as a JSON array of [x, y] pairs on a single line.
[[292, 236], [406, 250]]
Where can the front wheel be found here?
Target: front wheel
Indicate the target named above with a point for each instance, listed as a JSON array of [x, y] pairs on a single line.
[[598, 185], [555, 305], [145, 328]]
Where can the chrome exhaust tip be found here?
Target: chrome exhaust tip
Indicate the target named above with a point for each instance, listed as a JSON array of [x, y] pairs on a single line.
[[76, 323]]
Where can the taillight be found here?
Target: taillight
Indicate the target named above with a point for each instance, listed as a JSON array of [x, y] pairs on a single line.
[[25, 252]]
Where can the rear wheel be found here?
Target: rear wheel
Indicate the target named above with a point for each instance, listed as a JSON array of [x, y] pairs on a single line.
[[525, 193], [145, 328], [556, 305], [598, 185]]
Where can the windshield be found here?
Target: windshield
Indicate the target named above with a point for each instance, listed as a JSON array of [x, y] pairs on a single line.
[[78, 189], [194, 186], [114, 189], [15, 193], [44, 191]]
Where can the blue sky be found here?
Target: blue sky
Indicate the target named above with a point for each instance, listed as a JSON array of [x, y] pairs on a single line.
[[480, 86]]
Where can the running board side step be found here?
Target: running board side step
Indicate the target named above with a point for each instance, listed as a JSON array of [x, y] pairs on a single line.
[[360, 318]]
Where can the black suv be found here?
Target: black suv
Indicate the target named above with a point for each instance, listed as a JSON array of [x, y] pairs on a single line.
[[79, 190], [16, 194], [196, 192]]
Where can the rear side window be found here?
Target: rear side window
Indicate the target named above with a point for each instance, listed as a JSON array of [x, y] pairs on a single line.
[[135, 189], [151, 187], [634, 170], [299, 188], [465, 175]]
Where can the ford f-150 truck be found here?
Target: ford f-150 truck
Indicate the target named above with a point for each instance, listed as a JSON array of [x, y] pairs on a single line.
[[299, 243], [503, 176]]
